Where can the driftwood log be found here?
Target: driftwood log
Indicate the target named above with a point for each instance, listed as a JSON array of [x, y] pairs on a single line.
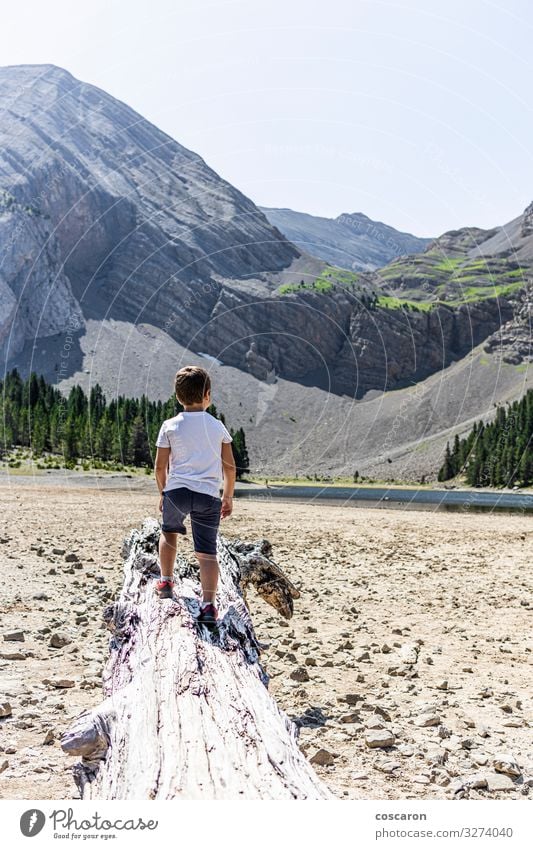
[[187, 713]]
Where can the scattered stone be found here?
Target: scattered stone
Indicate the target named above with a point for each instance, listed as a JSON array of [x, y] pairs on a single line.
[[374, 722], [364, 656], [409, 653], [380, 738], [442, 685], [496, 781], [60, 683], [13, 655], [421, 779], [427, 720], [40, 597], [49, 737], [478, 781], [352, 698], [15, 637], [349, 718], [507, 764], [310, 661], [5, 710], [390, 767], [4, 765], [59, 639], [323, 758], [359, 776], [300, 674], [71, 558]]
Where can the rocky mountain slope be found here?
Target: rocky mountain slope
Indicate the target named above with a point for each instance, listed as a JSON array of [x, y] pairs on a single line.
[[352, 240], [110, 215], [124, 256]]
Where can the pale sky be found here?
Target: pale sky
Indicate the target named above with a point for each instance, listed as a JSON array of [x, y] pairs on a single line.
[[417, 113]]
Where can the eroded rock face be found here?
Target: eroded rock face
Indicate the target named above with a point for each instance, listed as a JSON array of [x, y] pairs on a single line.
[[36, 298], [102, 215], [103, 211]]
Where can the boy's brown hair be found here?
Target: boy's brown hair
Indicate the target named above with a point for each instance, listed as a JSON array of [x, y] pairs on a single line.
[[191, 384]]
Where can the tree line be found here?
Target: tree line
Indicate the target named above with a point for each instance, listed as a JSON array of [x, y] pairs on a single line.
[[36, 415], [496, 454]]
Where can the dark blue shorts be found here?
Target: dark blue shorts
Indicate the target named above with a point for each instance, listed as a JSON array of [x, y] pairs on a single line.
[[204, 510]]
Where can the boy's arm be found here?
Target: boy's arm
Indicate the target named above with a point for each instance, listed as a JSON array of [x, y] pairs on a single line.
[[161, 470], [230, 473]]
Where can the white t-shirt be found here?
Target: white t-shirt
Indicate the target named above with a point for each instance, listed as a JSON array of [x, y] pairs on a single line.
[[195, 440]]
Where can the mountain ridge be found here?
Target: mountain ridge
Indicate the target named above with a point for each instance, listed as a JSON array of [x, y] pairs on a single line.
[[113, 226]]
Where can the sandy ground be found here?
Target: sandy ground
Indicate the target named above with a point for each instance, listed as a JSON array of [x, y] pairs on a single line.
[[414, 626]]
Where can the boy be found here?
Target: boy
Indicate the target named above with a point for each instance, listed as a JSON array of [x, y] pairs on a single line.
[[193, 452]]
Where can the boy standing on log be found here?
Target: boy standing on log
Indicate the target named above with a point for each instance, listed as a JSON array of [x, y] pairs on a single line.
[[194, 455]]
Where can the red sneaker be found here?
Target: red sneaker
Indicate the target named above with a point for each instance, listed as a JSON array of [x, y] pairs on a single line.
[[164, 589], [208, 614]]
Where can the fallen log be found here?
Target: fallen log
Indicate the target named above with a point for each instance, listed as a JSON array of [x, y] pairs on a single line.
[[187, 713]]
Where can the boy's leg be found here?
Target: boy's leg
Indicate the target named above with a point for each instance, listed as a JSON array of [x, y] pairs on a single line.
[[167, 554], [208, 575], [205, 520], [176, 505]]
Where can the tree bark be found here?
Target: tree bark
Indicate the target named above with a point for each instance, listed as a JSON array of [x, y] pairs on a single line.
[[187, 713]]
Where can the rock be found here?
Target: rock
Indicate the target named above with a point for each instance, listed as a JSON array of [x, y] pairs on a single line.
[[13, 655], [374, 722], [353, 698], [59, 639], [409, 653], [71, 558], [496, 781], [380, 711], [390, 767], [323, 758], [15, 637], [359, 776], [477, 781], [442, 685], [310, 661], [60, 683], [40, 597], [349, 718], [58, 551], [300, 674], [427, 720], [4, 765], [49, 737], [385, 649], [421, 779], [5, 710], [506, 763], [363, 657], [380, 738]]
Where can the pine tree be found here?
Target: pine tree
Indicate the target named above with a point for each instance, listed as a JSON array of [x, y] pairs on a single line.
[[139, 450]]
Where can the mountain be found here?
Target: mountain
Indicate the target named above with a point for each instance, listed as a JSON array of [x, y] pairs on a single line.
[[125, 256], [105, 214], [352, 240]]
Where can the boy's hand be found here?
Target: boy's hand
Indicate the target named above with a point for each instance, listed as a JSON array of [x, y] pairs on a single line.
[[227, 506], [161, 503]]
